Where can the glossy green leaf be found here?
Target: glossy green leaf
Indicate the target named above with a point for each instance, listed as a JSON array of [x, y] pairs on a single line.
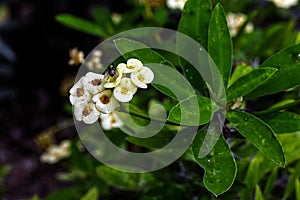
[[287, 62], [198, 12], [245, 84], [258, 133], [239, 71], [219, 164], [219, 42], [290, 187], [282, 122], [258, 194], [80, 24], [205, 107], [92, 194]]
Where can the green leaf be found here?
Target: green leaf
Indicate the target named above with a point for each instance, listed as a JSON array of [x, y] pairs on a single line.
[[92, 194], [80, 24], [290, 187], [102, 17], [118, 179], [159, 140], [261, 164], [249, 82], [297, 186], [219, 42], [219, 164], [270, 183], [282, 122], [258, 133], [187, 107], [198, 12], [258, 194], [72, 192], [239, 71], [287, 76]]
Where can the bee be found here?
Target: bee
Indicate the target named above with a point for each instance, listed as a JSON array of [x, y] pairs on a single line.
[[110, 74], [111, 71]]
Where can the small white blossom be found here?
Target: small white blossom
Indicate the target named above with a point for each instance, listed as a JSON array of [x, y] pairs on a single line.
[[110, 120], [116, 18], [54, 153], [142, 77], [132, 65], [105, 101], [87, 112], [94, 62], [79, 92], [95, 82], [176, 4], [125, 91], [285, 3], [235, 22], [112, 80], [77, 57]]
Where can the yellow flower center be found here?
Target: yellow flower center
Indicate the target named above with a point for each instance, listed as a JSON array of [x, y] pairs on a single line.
[[104, 99], [86, 111]]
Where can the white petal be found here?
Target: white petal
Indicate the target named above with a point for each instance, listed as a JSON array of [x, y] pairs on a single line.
[[94, 82], [128, 84], [122, 96], [121, 67], [133, 65], [105, 102], [78, 108], [136, 81], [148, 74], [109, 121]]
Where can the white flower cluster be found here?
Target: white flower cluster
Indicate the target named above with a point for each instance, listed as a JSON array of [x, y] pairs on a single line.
[[285, 3], [96, 96], [55, 153]]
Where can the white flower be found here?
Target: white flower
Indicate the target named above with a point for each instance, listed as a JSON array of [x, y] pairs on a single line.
[[132, 65], [110, 120], [113, 76], [142, 77], [76, 56], [285, 3], [79, 92], [125, 91], [176, 4], [87, 112], [235, 22], [94, 82], [54, 153], [105, 101], [94, 62], [116, 18]]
